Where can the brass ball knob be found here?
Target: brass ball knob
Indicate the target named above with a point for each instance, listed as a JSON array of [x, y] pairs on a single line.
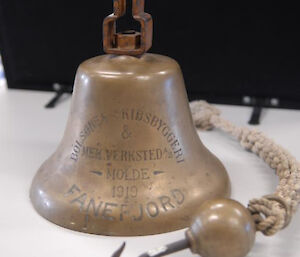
[[222, 228]]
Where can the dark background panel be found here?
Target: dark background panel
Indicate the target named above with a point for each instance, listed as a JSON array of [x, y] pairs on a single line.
[[225, 53]]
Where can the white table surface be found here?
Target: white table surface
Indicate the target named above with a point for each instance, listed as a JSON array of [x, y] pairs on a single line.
[[29, 133]]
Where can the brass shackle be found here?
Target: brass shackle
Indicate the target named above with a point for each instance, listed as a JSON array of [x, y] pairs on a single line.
[[128, 42]]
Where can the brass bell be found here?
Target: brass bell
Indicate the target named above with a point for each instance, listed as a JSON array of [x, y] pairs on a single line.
[[130, 162]]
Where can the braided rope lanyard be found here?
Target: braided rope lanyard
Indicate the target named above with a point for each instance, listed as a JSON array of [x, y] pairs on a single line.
[[273, 212]]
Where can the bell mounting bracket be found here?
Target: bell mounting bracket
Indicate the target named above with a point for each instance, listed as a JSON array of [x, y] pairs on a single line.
[[130, 42]]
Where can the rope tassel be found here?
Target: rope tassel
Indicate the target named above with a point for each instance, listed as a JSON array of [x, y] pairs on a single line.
[[274, 212]]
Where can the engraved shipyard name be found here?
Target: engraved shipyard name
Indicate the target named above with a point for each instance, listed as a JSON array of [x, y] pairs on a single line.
[[88, 129], [113, 211], [125, 155], [161, 126]]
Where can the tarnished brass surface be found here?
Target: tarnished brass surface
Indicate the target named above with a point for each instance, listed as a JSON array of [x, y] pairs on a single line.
[[222, 228], [130, 162]]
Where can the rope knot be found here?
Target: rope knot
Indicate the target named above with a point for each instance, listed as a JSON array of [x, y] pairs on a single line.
[[203, 113], [249, 138], [271, 214]]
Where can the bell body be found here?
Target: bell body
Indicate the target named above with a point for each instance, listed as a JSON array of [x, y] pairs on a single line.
[[130, 162]]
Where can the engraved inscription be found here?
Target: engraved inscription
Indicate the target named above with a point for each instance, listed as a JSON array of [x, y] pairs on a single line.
[[124, 192], [127, 174], [158, 172], [125, 133], [105, 154], [88, 129], [107, 212], [161, 126], [97, 172], [112, 211]]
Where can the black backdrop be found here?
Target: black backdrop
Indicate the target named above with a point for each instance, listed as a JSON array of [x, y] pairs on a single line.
[[225, 53]]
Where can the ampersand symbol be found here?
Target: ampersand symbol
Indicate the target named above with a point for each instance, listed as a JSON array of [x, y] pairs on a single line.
[[126, 133]]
